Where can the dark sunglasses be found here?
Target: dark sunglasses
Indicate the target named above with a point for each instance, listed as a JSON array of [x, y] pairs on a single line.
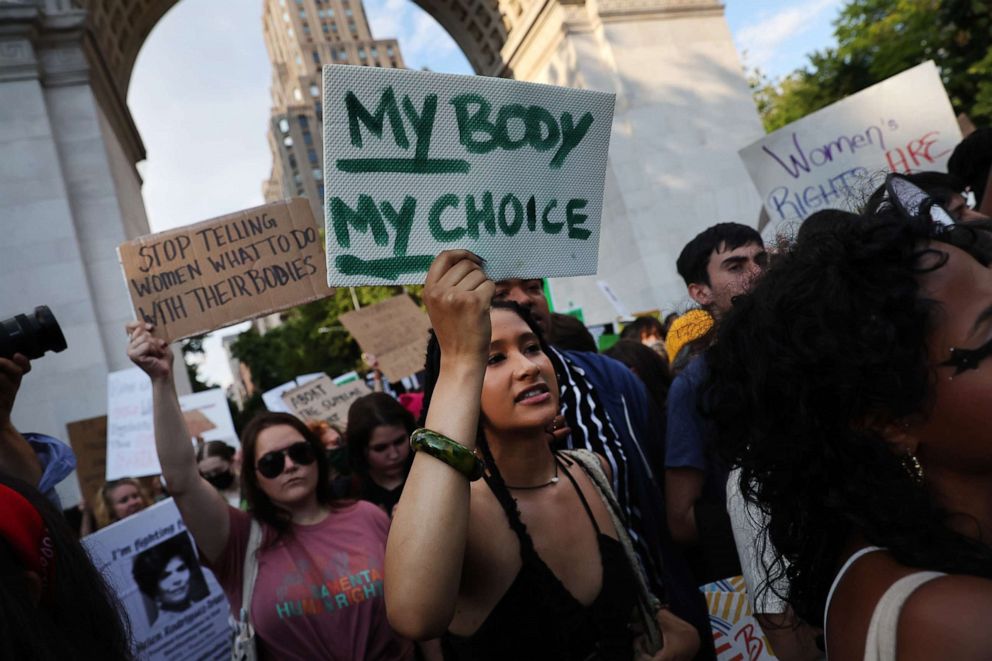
[[271, 464]]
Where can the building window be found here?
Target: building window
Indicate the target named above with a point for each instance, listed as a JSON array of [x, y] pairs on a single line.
[[347, 12], [303, 13], [316, 57], [330, 12], [285, 16], [312, 155], [325, 28], [334, 28], [342, 54], [283, 125], [297, 94], [320, 190], [317, 174], [361, 53], [292, 162], [304, 124], [374, 52], [289, 31], [389, 51], [306, 29], [314, 91], [288, 141]]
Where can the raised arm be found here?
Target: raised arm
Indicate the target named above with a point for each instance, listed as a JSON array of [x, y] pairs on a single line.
[[426, 546], [203, 508]]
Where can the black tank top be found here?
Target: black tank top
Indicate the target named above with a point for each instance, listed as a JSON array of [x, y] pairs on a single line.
[[538, 618]]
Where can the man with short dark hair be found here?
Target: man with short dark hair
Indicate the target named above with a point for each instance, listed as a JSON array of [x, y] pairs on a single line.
[[607, 411], [718, 265]]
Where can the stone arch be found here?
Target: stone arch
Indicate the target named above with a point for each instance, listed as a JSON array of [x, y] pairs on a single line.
[[479, 27]]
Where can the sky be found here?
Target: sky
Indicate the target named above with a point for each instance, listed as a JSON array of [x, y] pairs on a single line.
[[199, 96]]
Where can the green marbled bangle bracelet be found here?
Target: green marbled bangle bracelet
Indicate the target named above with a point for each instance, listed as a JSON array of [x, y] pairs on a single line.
[[454, 454]]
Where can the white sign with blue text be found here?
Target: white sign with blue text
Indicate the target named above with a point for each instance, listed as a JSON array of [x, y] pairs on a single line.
[[835, 157]]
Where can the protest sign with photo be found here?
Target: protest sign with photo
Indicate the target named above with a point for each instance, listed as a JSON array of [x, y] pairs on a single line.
[[273, 398], [176, 608], [130, 430], [221, 271], [322, 399], [394, 331], [417, 162], [88, 439], [835, 157]]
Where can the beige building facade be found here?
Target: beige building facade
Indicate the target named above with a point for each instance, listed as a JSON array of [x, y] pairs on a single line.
[[302, 36]]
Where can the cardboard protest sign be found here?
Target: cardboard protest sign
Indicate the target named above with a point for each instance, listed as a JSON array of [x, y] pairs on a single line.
[[394, 331], [322, 399], [208, 416], [273, 398], [88, 439], [417, 162], [221, 271], [835, 157], [185, 618], [130, 430]]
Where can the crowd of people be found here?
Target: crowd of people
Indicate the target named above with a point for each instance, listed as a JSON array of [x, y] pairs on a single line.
[[814, 424]]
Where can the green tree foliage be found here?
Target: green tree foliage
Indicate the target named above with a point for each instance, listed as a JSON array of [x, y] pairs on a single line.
[[311, 339], [877, 39]]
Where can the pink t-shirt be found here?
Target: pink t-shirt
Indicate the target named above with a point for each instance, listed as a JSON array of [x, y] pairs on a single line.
[[318, 594]]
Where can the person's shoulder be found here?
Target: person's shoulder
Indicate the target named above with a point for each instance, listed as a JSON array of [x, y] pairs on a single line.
[[947, 616]]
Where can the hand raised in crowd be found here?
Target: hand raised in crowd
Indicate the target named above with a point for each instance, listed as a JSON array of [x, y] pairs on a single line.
[[11, 372], [150, 353], [458, 295]]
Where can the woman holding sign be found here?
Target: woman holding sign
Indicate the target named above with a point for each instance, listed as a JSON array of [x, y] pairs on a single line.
[[531, 562], [317, 593]]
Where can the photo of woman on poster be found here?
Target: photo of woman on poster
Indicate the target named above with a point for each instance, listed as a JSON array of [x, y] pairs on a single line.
[[169, 577]]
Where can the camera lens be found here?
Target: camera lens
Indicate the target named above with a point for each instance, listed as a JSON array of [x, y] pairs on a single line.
[[31, 334]]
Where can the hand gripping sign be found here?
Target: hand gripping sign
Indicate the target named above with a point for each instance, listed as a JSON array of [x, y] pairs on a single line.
[[418, 162]]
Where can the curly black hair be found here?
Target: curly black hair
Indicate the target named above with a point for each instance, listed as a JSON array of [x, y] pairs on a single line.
[[830, 346]]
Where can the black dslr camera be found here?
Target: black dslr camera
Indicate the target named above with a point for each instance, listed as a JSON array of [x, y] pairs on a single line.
[[31, 334]]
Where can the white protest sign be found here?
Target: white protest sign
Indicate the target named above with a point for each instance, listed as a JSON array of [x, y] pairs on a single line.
[[186, 618], [834, 158], [130, 426], [130, 431], [418, 162], [273, 398], [322, 399], [209, 417], [612, 297]]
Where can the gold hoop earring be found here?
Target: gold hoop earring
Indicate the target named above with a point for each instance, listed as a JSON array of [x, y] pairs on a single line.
[[913, 467]]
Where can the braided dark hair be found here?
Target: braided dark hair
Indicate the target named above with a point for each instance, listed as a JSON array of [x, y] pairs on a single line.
[[831, 345]]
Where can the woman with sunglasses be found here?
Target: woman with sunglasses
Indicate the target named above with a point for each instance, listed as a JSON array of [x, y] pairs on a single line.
[[318, 591]]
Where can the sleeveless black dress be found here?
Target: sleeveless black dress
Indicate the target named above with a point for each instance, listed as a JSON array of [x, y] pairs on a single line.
[[538, 618]]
